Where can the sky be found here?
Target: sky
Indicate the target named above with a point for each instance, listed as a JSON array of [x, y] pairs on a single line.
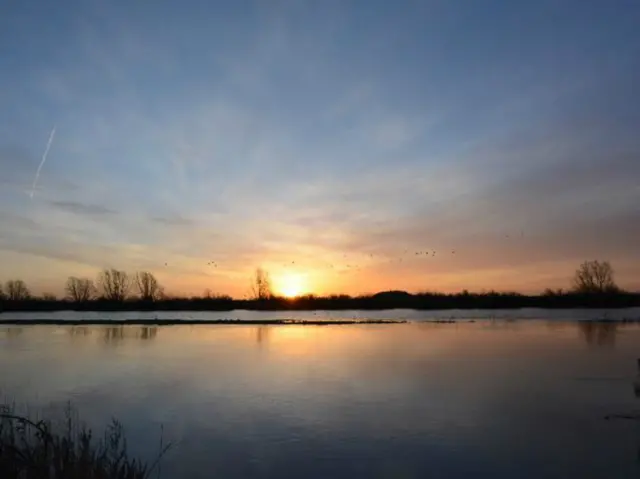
[[325, 141]]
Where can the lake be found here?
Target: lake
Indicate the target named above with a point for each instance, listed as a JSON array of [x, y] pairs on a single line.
[[497, 394]]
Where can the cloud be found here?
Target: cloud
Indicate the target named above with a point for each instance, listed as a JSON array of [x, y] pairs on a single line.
[[12, 223], [175, 220], [17, 164], [82, 209]]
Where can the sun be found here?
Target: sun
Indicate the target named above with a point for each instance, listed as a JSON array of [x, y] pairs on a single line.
[[291, 285]]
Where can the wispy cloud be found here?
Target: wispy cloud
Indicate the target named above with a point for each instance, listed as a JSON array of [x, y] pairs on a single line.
[[172, 220], [82, 209]]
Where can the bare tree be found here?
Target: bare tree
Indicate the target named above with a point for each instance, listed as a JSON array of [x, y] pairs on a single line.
[[594, 277], [17, 290], [261, 285], [49, 297], [553, 292], [80, 289], [1, 292], [114, 284], [148, 286]]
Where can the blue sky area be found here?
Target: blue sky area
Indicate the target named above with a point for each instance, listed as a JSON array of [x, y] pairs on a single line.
[[326, 140]]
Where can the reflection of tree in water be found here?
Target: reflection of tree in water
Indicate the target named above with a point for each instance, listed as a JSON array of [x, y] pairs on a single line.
[[12, 332], [115, 334], [557, 325], [599, 333], [262, 335], [148, 332], [79, 331]]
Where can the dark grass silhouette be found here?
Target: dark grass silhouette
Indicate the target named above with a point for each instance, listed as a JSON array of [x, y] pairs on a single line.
[[34, 449]]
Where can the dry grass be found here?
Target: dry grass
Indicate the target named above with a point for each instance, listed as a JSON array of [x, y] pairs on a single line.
[[31, 449]]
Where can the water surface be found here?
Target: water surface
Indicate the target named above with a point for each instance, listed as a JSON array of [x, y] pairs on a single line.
[[394, 314], [496, 399]]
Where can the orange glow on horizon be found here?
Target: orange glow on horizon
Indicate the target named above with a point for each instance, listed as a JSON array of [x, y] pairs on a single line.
[[291, 285]]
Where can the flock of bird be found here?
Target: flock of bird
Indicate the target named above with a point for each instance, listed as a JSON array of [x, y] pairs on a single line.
[[349, 266]]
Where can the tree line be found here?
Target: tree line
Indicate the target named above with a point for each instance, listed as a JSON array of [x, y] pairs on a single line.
[[110, 285], [593, 285]]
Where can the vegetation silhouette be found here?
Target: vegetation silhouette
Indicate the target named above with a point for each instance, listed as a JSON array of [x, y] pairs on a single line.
[[32, 448], [114, 284], [148, 287], [593, 287], [80, 290], [261, 289], [16, 290], [594, 277]]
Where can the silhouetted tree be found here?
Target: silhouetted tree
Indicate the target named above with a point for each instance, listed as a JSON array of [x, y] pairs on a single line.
[[553, 292], [1, 293], [147, 286], [49, 297], [114, 284], [594, 277], [17, 290], [261, 285], [80, 289]]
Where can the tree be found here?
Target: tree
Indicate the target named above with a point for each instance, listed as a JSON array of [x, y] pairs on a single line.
[[261, 285], [594, 277], [17, 290], [148, 286], [553, 292], [49, 297], [114, 284], [1, 292], [80, 289]]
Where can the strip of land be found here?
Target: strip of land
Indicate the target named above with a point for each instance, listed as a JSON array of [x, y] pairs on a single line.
[[189, 322], [376, 302]]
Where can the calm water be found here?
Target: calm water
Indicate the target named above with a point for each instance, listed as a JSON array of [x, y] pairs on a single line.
[[405, 314], [498, 399]]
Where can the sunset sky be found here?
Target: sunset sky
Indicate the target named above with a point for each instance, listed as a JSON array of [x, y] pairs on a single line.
[[326, 141]]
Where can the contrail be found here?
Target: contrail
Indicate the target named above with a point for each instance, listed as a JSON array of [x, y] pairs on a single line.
[[44, 158]]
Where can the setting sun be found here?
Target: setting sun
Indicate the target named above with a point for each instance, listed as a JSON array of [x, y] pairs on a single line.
[[291, 285]]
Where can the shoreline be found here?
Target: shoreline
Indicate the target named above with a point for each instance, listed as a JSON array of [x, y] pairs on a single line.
[[376, 302], [277, 322], [191, 322]]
